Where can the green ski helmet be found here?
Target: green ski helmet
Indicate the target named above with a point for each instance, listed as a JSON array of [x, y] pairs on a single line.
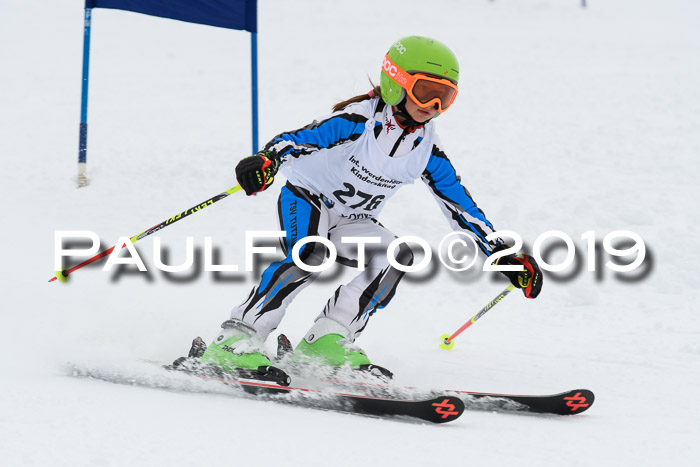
[[416, 54]]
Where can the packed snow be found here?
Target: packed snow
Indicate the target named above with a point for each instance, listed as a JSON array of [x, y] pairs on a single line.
[[568, 118]]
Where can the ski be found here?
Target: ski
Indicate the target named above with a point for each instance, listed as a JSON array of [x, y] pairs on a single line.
[[571, 402], [434, 408], [439, 409]]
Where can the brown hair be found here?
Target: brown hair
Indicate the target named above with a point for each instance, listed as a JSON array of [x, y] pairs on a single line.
[[375, 92]]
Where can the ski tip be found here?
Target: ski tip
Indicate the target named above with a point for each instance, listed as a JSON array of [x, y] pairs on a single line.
[[445, 409], [577, 401]]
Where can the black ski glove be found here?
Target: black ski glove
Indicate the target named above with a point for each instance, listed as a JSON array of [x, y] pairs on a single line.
[[529, 279], [257, 172]]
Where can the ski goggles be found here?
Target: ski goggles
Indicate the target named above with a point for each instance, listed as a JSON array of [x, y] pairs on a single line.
[[425, 90]]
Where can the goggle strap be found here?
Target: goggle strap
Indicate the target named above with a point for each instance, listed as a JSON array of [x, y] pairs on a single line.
[[404, 79]]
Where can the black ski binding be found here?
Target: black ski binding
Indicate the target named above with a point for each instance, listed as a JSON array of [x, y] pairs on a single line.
[[265, 373], [376, 370], [284, 347], [196, 350], [191, 364]]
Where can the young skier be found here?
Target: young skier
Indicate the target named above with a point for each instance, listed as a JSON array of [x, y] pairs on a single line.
[[341, 170]]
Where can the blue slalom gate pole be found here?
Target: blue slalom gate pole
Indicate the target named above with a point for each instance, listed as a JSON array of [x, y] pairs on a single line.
[[82, 148], [254, 86]]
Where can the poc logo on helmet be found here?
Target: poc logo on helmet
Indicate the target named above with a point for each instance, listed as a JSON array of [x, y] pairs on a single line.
[[389, 68], [399, 46]]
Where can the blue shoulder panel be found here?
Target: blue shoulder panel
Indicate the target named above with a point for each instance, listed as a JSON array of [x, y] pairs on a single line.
[[323, 135]]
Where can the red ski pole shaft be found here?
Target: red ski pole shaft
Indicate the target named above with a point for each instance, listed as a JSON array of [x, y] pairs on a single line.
[[155, 228], [481, 313]]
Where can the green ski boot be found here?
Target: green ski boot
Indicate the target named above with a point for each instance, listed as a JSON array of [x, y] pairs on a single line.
[[236, 347], [328, 343]]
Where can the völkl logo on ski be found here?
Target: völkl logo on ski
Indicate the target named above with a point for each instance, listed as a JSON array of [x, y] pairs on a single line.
[[576, 402], [445, 409]]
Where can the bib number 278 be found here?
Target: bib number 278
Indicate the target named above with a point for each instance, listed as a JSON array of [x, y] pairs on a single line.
[[350, 194]]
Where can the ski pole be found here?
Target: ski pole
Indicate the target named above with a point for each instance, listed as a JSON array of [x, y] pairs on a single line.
[[447, 340], [62, 276]]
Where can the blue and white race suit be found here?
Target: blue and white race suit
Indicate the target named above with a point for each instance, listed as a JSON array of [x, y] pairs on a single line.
[[341, 170]]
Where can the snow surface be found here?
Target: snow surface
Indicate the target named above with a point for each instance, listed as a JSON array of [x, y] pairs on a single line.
[[568, 118]]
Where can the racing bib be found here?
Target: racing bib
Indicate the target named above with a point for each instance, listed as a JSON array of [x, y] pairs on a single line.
[[355, 180]]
